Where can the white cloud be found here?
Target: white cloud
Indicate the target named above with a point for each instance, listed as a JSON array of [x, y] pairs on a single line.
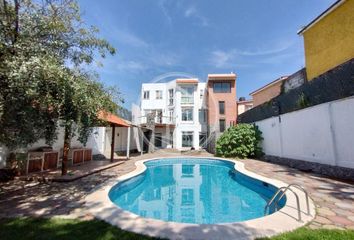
[[165, 12], [192, 12], [128, 38], [245, 58], [220, 58], [130, 66]]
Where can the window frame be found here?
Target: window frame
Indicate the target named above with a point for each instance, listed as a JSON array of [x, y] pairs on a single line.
[[186, 95], [170, 96], [222, 103], [190, 134], [224, 126], [222, 87], [146, 94], [158, 97], [192, 114]]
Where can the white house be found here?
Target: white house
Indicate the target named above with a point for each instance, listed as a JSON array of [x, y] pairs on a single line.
[[178, 109]]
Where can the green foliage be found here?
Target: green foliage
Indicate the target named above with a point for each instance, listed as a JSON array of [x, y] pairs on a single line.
[[242, 140], [303, 101], [45, 51]]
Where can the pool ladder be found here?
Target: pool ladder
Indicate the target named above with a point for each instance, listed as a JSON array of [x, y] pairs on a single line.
[[283, 190]]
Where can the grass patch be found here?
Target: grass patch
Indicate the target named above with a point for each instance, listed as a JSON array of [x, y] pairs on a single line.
[[305, 233], [67, 229], [52, 229]]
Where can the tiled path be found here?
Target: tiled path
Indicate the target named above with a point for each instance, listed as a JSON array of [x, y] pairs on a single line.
[[334, 199]]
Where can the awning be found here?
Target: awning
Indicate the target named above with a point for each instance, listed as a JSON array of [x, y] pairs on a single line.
[[112, 119]]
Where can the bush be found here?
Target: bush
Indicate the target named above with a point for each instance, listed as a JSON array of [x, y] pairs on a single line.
[[242, 140]]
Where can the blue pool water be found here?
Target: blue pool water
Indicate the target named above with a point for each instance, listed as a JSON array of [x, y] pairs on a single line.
[[203, 191]]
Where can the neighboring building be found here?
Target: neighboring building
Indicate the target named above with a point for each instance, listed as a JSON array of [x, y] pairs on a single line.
[[267, 92], [329, 38], [244, 105], [221, 90], [186, 112]]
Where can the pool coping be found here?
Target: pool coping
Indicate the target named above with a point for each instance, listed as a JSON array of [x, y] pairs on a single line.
[[100, 206]]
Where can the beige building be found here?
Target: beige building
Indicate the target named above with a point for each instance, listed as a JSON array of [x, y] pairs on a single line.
[[243, 106], [267, 92]]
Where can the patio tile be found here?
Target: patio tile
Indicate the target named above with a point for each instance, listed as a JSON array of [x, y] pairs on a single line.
[[333, 198], [341, 220], [326, 212], [322, 220]]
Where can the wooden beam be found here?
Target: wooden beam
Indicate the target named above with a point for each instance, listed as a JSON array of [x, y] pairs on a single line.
[[112, 141]]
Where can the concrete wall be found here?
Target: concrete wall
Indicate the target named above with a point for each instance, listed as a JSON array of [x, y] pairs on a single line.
[[322, 134], [266, 94], [121, 140], [329, 42]]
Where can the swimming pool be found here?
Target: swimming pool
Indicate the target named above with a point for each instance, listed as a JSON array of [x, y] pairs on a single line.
[[192, 190]]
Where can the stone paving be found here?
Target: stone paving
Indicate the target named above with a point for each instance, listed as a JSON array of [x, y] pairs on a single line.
[[334, 199]]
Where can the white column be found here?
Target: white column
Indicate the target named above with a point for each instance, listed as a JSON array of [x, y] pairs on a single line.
[[128, 143]]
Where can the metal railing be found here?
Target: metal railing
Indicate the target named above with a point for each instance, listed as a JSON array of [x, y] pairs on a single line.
[[158, 120], [283, 190]]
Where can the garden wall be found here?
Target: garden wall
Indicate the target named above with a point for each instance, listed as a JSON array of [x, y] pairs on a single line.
[[99, 141], [321, 134]]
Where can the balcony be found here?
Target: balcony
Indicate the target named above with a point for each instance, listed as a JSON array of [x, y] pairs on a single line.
[[159, 120], [187, 100]]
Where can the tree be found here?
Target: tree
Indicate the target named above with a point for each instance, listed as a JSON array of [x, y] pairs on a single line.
[[44, 50]]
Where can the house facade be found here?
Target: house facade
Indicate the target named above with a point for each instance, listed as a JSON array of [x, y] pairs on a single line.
[[267, 92], [244, 105], [328, 39], [184, 113]]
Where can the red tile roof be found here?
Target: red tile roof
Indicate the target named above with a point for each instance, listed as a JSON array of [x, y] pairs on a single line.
[[113, 119], [187, 80]]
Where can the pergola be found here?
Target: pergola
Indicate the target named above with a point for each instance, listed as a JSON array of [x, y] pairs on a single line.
[[114, 122]]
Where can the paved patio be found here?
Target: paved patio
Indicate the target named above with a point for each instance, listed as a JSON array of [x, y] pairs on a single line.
[[74, 172], [334, 199]]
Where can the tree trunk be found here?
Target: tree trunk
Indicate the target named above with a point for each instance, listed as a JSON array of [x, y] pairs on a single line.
[[66, 148]]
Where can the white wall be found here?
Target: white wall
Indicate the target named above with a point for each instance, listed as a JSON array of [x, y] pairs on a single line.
[[322, 134], [99, 141], [163, 104]]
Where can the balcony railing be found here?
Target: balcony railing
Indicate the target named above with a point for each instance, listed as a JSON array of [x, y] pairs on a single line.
[[159, 120], [187, 100]]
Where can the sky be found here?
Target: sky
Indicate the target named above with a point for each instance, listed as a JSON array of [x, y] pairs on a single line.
[[256, 39]]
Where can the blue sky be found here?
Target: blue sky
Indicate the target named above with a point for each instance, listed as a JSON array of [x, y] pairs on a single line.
[[256, 39]]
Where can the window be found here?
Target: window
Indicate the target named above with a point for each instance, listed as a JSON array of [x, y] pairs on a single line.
[[187, 196], [187, 171], [170, 97], [202, 115], [222, 87], [146, 95], [222, 107], [187, 95], [201, 94], [187, 139], [222, 125], [171, 139], [170, 115], [187, 114], [158, 94]]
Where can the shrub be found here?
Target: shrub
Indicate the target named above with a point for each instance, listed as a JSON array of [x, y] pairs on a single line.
[[242, 140]]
